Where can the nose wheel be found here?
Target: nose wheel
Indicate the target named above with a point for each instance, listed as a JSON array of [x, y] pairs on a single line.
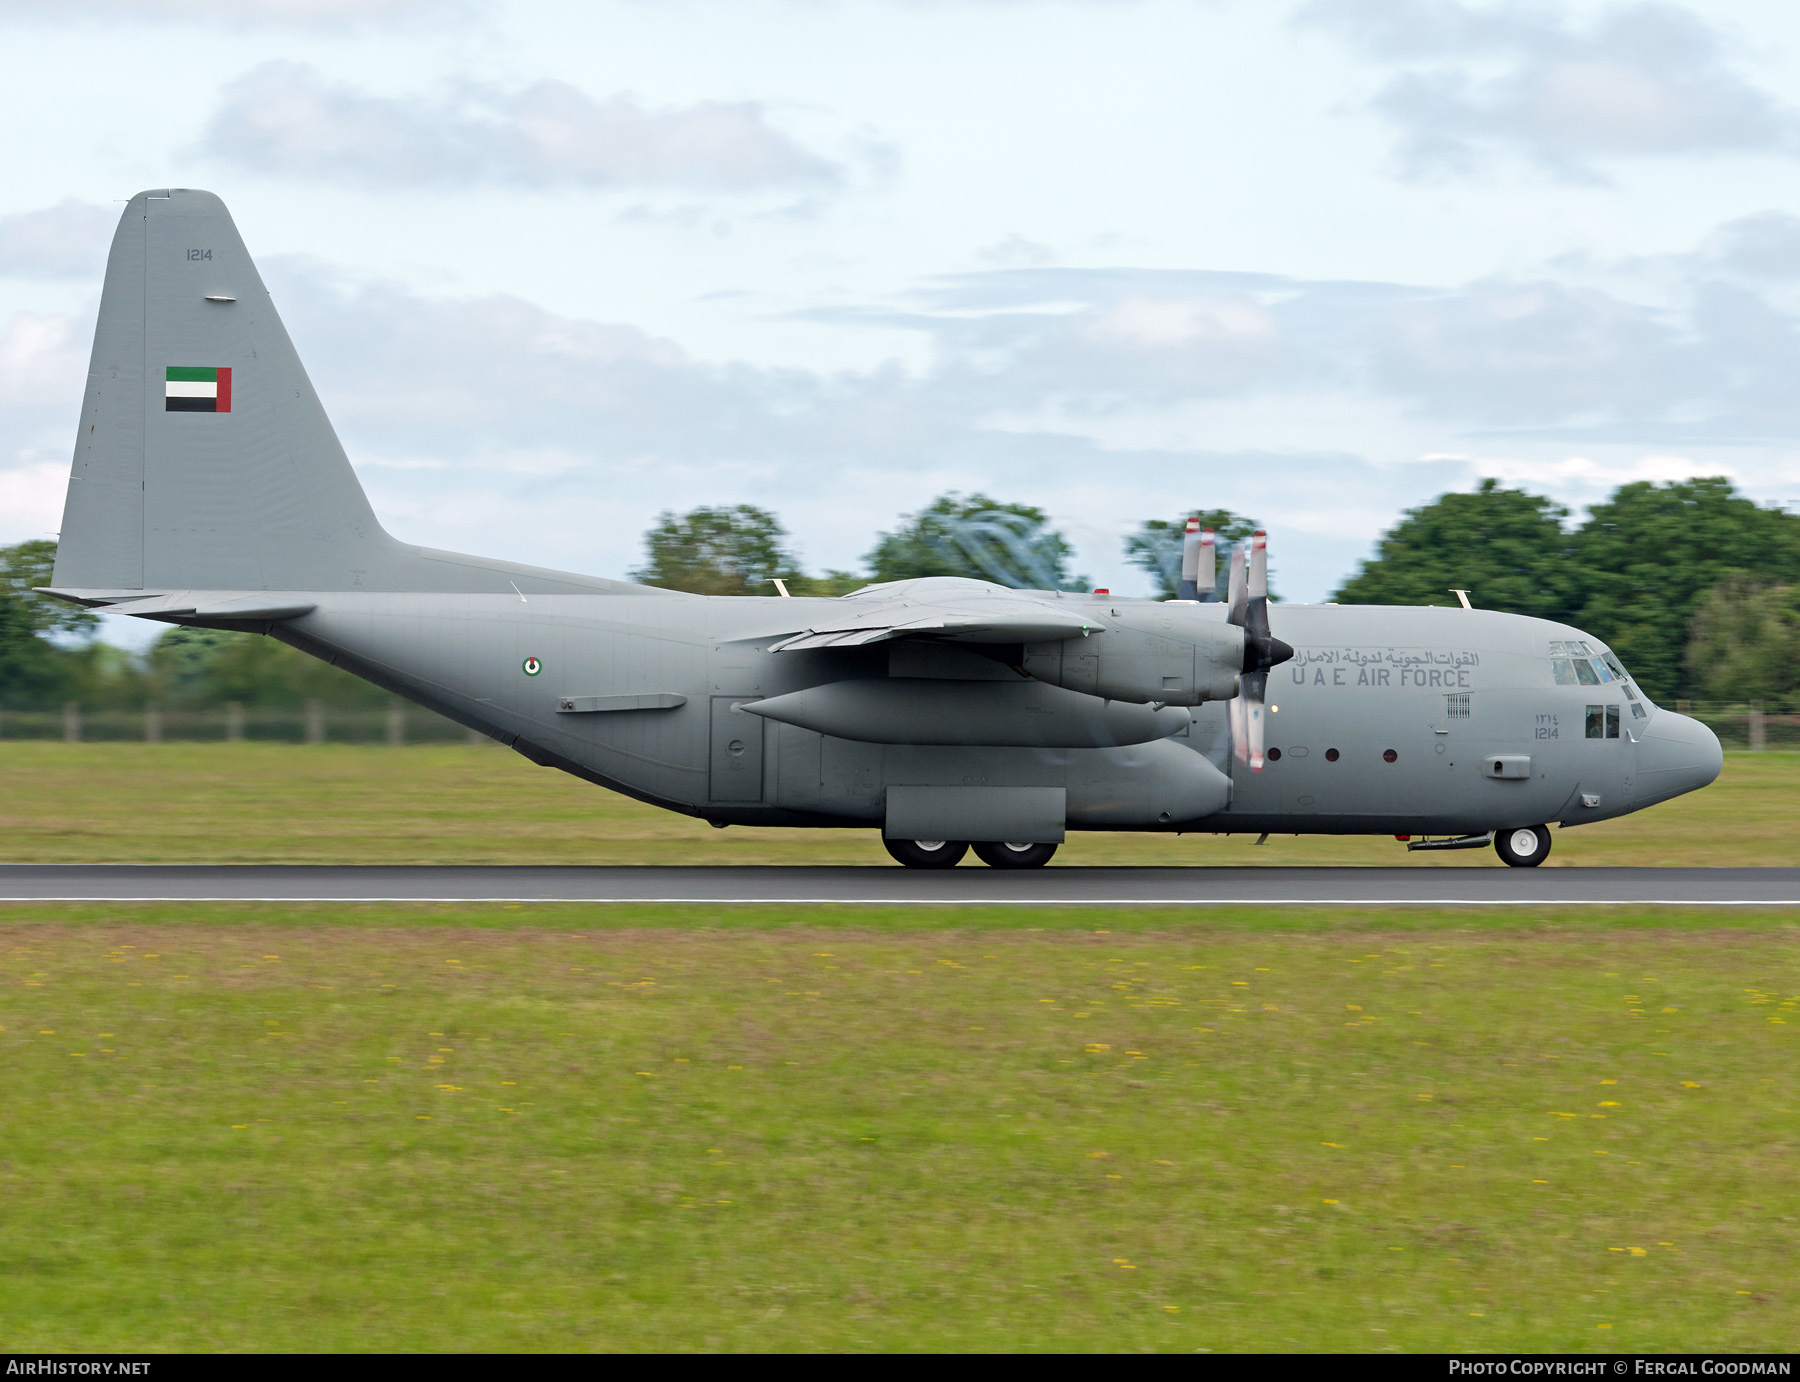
[[1523, 848]]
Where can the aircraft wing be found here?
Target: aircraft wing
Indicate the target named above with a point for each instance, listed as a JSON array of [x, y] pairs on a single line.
[[955, 611]]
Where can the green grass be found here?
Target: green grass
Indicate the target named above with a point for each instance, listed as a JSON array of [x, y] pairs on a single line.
[[453, 804], [567, 1127], [560, 1127]]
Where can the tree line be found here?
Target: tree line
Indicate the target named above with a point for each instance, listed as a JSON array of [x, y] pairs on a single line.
[[1694, 586]]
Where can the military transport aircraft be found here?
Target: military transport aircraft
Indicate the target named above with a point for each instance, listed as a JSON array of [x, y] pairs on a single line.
[[209, 488]]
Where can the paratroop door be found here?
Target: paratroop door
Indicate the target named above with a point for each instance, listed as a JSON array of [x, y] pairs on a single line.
[[737, 751]]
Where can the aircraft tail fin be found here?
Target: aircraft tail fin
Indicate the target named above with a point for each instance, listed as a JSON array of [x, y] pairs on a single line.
[[205, 461]]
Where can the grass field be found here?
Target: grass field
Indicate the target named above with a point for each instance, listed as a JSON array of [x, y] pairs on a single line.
[[575, 1128], [454, 804], [566, 1127]]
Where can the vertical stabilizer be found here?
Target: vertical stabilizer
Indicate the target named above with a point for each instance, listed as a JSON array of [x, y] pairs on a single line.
[[205, 460]]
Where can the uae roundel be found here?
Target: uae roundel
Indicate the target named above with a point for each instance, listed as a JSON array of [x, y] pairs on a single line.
[[531, 666], [197, 389]]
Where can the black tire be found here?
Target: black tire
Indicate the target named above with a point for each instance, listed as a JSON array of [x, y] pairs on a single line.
[[1021, 856], [927, 854], [1523, 847]]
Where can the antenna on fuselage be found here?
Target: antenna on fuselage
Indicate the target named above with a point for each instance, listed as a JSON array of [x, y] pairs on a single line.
[[1463, 596]]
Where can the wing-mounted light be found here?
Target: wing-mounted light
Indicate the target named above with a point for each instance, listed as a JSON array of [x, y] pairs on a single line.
[[1262, 650]]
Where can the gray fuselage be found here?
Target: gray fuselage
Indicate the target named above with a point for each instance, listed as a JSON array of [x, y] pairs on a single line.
[[1386, 720]]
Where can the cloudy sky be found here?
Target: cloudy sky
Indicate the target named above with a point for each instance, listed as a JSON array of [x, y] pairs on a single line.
[[557, 267]]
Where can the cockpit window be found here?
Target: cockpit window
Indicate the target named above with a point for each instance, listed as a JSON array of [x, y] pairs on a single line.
[[1578, 662]]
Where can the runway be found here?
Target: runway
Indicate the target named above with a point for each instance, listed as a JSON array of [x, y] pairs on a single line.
[[856, 886]]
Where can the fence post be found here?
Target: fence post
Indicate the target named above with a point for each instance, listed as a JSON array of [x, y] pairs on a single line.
[[234, 722], [1756, 727], [153, 724], [71, 723], [315, 722], [396, 726]]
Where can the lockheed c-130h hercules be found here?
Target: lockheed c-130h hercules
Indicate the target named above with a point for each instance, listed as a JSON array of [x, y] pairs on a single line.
[[208, 488]]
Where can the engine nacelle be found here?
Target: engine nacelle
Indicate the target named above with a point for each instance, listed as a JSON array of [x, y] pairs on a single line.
[[1150, 652]]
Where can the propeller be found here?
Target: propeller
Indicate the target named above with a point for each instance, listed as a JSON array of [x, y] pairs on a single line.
[[1197, 549], [1248, 587]]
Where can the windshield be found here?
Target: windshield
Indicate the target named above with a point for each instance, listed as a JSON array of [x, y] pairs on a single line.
[[1582, 662]]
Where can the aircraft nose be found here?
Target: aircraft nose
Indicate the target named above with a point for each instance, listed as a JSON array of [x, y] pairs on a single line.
[[1676, 754]]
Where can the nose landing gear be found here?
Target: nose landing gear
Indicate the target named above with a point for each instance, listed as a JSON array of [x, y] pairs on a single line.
[[1525, 847]]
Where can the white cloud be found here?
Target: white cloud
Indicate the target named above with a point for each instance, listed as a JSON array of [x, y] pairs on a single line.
[[31, 498], [1766, 245], [1591, 477], [242, 13], [42, 363], [287, 118], [1641, 79], [67, 240]]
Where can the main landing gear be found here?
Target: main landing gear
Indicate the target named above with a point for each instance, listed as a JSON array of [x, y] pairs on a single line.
[[1523, 848], [947, 854]]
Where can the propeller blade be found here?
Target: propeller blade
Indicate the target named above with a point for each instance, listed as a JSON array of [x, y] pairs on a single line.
[[1249, 594], [1255, 687], [1256, 621], [1207, 574], [1236, 592], [1190, 562]]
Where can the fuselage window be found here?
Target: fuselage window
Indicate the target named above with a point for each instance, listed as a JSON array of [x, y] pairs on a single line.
[[1456, 707], [1603, 722]]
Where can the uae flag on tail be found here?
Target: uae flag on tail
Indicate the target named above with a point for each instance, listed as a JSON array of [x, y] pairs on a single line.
[[197, 389]]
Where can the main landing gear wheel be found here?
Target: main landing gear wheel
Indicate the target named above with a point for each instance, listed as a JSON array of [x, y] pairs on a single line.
[[1014, 856], [927, 854], [1523, 848]]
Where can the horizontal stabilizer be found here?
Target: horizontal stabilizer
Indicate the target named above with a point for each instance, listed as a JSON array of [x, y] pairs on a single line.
[[182, 605]]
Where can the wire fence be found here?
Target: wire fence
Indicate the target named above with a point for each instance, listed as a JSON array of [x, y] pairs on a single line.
[[316, 723], [1752, 725]]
